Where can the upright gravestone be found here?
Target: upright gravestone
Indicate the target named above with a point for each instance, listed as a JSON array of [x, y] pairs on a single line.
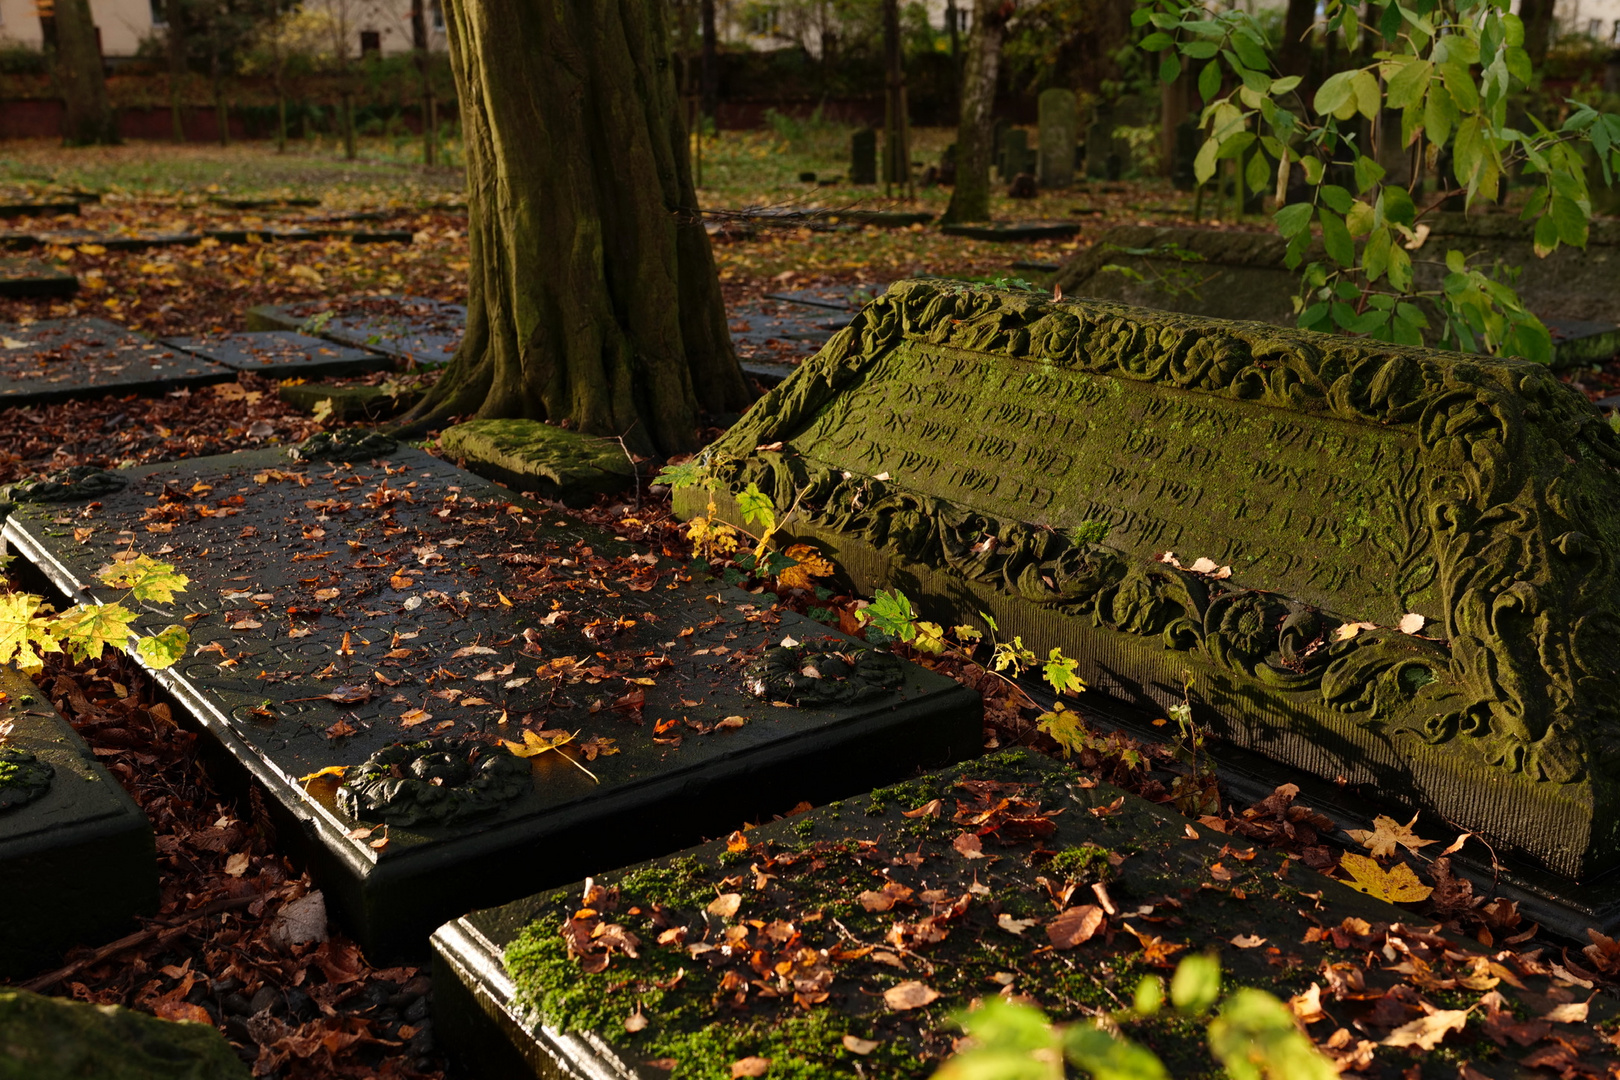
[[1183, 154], [1059, 129], [1014, 152], [1387, 566], [863, 157], [1102, 162]]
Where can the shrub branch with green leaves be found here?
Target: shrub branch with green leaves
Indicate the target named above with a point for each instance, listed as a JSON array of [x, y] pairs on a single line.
[[30, 628], [1450, 69], [1253, 1035]]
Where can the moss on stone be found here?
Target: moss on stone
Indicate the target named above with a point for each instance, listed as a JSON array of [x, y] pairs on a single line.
[[43, 1038], [528, 455], [353, 402]]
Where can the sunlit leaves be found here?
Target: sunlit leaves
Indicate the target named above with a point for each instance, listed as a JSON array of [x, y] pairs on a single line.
[[892, 614], [148, 580], [87, 630], [164, 649], [757, 508], [1059, 673], [1398, 885], [689, 473], [24, 635]]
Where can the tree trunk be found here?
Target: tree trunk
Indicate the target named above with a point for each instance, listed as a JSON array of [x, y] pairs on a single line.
[[1538, 24], [1294, 56], [174, 38], [592, 300], [975, 134], [350, 149], [711, 67], [281, 114], [419, 42], [896, 134], [87, 118]]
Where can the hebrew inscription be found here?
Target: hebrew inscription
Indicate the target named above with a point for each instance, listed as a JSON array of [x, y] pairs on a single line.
[[995, 451]]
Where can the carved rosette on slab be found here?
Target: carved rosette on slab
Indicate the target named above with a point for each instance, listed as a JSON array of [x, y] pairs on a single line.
[[1064, 466]]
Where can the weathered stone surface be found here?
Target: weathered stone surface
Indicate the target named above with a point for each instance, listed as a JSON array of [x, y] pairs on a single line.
[[281, 354], [47, 1038], [77, 861], [122, 241], [527, 455], [825, 894], [64, 358], [339, 608], [352, 402], [26, 278], [1242, 275], [1059, 132], [416, 330], [1038, 460]]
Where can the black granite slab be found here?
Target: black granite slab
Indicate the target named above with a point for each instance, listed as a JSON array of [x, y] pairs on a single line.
[[27, 278], [132, 241], [281, 354], [427, 602], [1014, 231], [38, 208], [413, 329], [77, 863], [64, 358], [1580, 341]]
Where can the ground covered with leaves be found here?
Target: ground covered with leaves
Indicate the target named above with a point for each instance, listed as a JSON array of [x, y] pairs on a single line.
[[238, 941]]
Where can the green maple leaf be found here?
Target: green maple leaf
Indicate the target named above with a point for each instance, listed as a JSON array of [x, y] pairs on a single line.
[[88, 629], [151, 581], [891, 613], [679, 477], [164, 650], [756, 506], [1065, 728], [1059, 673], [24, 637]]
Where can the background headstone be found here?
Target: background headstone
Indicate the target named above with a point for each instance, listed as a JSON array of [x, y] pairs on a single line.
[[863, 157], [1014, 153], [1059, 130], [1304, 483]]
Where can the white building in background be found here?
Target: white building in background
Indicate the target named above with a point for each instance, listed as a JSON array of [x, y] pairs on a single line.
[[371, 26], [776, 24]]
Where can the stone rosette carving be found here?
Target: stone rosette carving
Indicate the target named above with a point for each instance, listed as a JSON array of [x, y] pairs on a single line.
[[433, 782], [23, 777], [1499, 518], [810, 676]]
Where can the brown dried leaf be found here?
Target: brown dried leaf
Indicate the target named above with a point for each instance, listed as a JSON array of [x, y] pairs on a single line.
[[1076, 926]]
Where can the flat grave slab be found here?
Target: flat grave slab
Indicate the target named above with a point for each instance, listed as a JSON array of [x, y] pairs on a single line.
[[38, 208], [340, 609], [1581, 341], [840, 941], [348, 401], [1288, 519], [1008, 232], [885, 219], [281, 354], [279, 234], [130, 241], [21, 278], [76, 853], [64, 358], [837, 297], [410, 328]]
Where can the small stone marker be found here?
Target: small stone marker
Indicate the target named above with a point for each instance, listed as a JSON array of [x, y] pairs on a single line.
[[281, 354], [20, 278], [1102, 155], [392, 600], [76, 853], [888, 914], [1350, 546], [56, 359], [863, 157], [352, 401], [409, 328], [1059, 131], [530, 456]]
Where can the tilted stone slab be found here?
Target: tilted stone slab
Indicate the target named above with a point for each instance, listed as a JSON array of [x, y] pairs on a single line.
[[409, 328], [548, 461], [833, 894], [76, 854], [352, 401], [65, 358], [21, 278], [281, 354], [340, 608], [1244, 275], [987, 450], [1013, 231]]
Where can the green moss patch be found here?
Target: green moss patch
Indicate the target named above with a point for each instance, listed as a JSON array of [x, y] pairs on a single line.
[[44, 1038], [553, 462]]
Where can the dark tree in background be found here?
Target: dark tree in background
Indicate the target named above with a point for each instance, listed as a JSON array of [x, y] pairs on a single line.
[[975, 134], [430, 107], [70, 32], [593, 298]]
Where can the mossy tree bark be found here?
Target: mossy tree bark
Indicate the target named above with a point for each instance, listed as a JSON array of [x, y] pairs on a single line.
[[975, 134], [593, 298], [87, 117]]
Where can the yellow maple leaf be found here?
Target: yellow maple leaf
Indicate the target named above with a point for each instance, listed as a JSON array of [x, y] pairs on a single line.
[[1398, 885], [711, 537], [534, 744], [1386, 833], [809, 564]]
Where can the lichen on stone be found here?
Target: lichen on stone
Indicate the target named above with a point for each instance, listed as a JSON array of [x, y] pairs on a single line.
[[23, 777]]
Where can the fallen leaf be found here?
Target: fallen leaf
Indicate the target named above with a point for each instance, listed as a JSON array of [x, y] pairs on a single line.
[[860, 1046], [1074, 926], [1386, 834], [749, 1066], [968, 846], [725, 905], [730, 723], [237, 864], [1399, 885], [635, 1022], [1308, 1006], [1012, 925], [910, 994], [1426, 1032], [1411, 623], [928, 809], [1350, 629], [412, 717], [335, 771], [1571, 1012], [1248, 941]]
